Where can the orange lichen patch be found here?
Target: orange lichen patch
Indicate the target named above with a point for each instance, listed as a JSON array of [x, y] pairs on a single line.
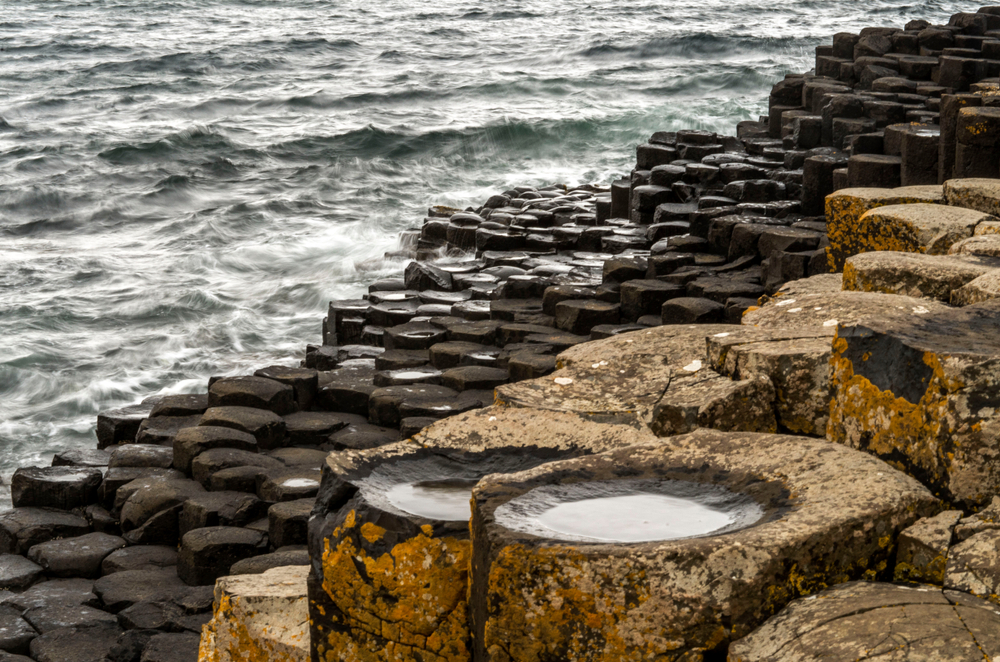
[[556, 604], [918, 438], [845, 208], [404, 602], [261, 618]]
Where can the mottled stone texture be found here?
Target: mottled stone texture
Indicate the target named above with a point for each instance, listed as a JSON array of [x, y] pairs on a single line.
[[922, 391], [863, 620], [539, 599], [259, 618]]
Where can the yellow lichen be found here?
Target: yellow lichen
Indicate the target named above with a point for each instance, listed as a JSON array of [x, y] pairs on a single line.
[[406, 603]]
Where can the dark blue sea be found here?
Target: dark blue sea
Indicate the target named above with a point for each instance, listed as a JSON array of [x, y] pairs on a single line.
[[185, 183]]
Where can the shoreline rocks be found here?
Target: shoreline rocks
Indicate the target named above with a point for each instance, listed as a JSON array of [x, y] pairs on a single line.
[[680, 327]]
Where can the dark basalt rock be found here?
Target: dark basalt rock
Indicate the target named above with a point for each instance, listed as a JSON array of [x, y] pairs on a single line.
[[580, 316], [288, 484], [117, 426], [692, 310], [219, 509], [142, 455], [467, 378], [81, 458], [140, 557], [118, 477], [263, 563], [123, 589], [17, 573], [170, 647], [288, 521], [304, 382], [75, 557], [360, 437], [22, 528], [384, 405], [49, 618], [256, 392], [149, 497], [208, 464], [311, 458], [82, 643], [207, 554], [56, 592], [55, 487], [15, 633], [191, 442], [162, 429], [309, 428], [267, 427], [180, 405]]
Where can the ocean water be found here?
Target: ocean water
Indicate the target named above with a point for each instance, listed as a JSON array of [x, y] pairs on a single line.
[[185, 183]]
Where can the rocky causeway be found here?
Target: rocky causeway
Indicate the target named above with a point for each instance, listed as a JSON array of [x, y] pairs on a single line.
[[743, 405]]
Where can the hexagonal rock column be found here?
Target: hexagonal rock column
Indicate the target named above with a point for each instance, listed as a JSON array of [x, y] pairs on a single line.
[[388, 584], [259, 618], [819, 301], [914, 228], [877, 621], [920, 391], [979, 194], [914, 274], [795, 359], [547, 585], [654, 377], [846, 207], [977, 153]]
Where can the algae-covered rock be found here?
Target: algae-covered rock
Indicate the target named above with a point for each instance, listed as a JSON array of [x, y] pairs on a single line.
[[982, 195]]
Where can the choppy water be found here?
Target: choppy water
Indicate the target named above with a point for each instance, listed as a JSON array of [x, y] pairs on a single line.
[[184, 183]]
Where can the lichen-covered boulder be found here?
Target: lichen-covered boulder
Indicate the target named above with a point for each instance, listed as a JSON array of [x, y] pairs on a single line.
[[539, 595], [914, 274], [392, 584], [923, 549], [259, 618], [863, 620], [845, 209], [920, 390]]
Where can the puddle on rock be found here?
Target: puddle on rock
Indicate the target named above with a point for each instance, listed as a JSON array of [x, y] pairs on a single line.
[[629, 511], [446, 499], [436, 487]]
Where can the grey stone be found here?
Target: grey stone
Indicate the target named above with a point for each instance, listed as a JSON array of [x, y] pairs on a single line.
[[55, 487], [75, 557], [22, 528], [207, 554], [139, 557], [142, 455], [923, 549], [17, 572], [83, 643]]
